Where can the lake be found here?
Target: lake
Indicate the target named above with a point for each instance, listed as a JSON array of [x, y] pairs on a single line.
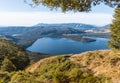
[[66, 46]]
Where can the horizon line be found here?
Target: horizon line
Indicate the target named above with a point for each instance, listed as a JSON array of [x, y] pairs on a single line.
[[50, 24]]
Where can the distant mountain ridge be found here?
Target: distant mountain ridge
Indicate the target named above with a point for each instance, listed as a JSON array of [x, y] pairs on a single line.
[[25, 36], [21, 29], [106, 26], [69, 25]]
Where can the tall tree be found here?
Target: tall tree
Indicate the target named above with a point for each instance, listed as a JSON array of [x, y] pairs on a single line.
[[115, 31]]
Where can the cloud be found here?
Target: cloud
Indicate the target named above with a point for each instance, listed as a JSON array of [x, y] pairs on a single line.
[[31, 18]]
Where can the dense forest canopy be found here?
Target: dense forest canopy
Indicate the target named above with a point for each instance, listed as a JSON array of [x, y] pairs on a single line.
[[73, 5]]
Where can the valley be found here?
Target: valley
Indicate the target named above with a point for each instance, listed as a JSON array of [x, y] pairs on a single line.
[[60, 41], [68, 66], [26, 36]]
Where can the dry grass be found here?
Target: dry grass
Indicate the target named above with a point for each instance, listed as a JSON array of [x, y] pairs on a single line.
[[37, 65], [102, 62]]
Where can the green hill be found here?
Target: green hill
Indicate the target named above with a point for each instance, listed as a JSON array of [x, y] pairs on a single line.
[[101, 66], [12, 57]]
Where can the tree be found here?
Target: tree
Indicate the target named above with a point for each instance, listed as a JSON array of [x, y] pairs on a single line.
[[74, 5], [115, 31]]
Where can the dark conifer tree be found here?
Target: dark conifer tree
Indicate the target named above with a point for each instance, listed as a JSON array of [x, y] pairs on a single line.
[[114, 43]]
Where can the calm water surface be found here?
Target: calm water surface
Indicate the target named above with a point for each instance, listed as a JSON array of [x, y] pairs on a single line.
[[66, 46]]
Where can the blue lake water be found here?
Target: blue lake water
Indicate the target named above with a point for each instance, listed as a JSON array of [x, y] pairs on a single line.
[[66, 46]]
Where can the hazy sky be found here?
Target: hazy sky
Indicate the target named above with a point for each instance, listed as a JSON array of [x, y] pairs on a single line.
[[18, 13]]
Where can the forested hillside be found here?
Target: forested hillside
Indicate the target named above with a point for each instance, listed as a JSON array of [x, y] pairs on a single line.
[[12, 57]]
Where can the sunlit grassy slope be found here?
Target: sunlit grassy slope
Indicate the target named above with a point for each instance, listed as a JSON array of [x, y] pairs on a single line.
[[102, 66], [94, 67]]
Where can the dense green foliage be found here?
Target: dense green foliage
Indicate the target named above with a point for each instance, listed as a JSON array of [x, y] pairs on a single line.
[[115, 31], [61, 70], [12, 57], [7, 65], [74, 5], [56, 70]]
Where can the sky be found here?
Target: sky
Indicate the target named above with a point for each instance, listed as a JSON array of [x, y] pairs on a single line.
[[18, 13]]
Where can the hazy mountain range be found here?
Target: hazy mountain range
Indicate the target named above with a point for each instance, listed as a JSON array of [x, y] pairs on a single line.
[[25, 36]]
